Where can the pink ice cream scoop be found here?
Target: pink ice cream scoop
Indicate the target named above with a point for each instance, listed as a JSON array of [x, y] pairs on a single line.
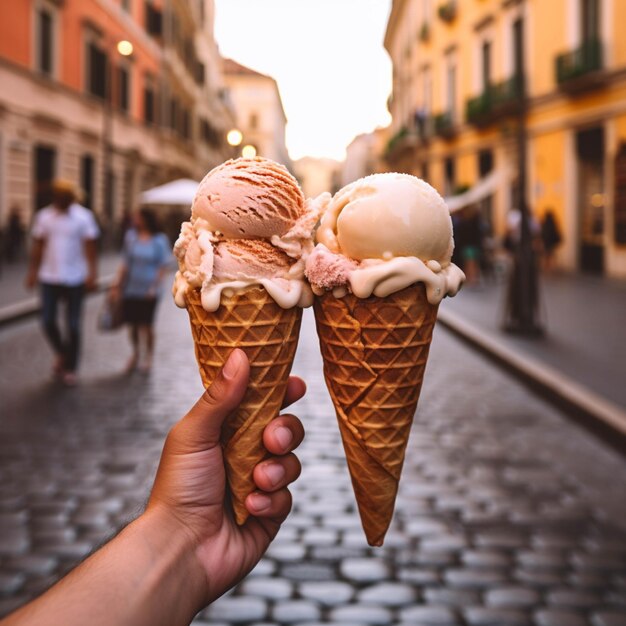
[[244, 259], [249, 199]]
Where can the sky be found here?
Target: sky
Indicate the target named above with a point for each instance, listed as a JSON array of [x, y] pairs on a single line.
[[327, 57]]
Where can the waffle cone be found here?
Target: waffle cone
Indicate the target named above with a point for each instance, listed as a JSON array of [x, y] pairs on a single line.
[[268, 334], [375, 352]]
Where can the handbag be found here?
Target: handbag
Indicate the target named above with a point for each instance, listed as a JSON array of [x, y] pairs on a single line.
[[111, 315]]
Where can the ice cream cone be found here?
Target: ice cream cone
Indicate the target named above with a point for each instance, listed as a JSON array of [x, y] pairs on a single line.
[[250, 320], [375, 352]]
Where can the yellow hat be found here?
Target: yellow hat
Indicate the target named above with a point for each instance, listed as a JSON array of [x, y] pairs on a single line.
[[60, 185]]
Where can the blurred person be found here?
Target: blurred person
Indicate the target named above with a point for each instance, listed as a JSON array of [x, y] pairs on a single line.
[[64, 260], [470, 233], [14, 237], [139, 281], [514, 231], [185, 550], [550, 237]]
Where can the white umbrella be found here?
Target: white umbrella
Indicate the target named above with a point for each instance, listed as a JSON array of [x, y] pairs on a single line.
[[177, 192]]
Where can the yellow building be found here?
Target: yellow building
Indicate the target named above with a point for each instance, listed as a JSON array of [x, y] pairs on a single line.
[[460, 70]]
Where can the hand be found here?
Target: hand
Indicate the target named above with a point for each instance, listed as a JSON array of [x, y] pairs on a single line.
[[91, 282], [31, 280], [190, 486]]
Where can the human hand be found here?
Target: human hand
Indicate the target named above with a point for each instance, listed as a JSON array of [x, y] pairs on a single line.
[[190, 486], [31, 280], [91, 282]]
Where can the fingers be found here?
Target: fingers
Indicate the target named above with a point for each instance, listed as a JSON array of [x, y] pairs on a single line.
[[283, 434], [272, 476], [276, 472], [275, 506], [296, 388], [200, 428]]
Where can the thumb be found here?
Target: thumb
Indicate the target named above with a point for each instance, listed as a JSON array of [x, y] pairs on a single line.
[[200, 428]]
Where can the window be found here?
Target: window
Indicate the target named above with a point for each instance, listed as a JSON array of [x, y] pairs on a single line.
[[126, 5], [149, 101], [97, 68], [449, 176], [518, 47], [451, 87], [589, 20], [185, 124], [123, 88], [486, 64], [45, 27], [86, 179], [199, 73], [173, 114], [154, 20], [253, 121]]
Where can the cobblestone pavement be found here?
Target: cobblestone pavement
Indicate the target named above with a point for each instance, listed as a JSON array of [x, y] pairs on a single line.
[[508, 515]]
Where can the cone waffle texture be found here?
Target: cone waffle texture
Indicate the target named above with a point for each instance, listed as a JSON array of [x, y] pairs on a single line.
[[375, 352], [250, 320]]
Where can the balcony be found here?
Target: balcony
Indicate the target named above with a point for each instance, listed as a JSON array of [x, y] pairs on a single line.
[[447, 11], [580, 69], [498, 100], [396, 141], [444, 124]]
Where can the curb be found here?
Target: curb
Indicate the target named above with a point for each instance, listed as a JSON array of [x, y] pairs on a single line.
[[598, 415], [31, 306]]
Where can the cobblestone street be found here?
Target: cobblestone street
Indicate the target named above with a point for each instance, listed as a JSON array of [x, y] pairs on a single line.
[[508, 514]]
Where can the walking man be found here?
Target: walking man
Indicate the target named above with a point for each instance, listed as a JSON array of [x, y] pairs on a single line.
[[64, 261]]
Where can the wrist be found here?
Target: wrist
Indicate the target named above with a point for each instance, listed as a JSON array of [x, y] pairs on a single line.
[[176, 572]]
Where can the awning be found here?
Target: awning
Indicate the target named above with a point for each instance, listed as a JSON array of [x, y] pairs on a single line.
[[177, 192], [480, 191]]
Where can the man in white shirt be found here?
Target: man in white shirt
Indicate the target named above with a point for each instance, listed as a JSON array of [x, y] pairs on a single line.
[[64, 261]]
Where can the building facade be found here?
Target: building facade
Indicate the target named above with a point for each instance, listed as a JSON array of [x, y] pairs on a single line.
[[480, 84], [317, 175], [260, 114], [363, 155], [114, 95]]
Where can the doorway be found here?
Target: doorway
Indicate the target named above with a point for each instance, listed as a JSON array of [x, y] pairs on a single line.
[[591, 199], [45, 166]]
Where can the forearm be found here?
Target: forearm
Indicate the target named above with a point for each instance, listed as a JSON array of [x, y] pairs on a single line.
[[35, 256], [147, 575], [91, 253]]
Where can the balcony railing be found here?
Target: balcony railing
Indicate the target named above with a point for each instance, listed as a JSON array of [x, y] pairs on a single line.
[[397, 139], [444, 124], [579, 62], [497, 99]]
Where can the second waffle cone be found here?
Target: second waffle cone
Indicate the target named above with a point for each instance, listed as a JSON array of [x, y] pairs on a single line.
[[375, 352], [268, 334]]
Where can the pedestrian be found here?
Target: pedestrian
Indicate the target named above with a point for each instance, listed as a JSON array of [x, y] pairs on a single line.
[[146, 255], [550, 237], [14, 235], [63, 260], [470, 230], [185, 550]]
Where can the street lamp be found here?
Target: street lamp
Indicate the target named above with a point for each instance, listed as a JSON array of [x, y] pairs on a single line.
[[125, 49], [522, 303], [234, 137], [248, 152]]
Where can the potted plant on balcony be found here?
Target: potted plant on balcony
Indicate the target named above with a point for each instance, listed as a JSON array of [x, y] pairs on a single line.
[[447, 11]]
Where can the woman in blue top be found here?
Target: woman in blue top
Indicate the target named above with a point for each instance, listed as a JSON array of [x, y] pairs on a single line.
[[139, 281]]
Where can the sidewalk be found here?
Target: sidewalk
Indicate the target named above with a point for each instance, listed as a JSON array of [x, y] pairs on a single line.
[[508, 514], [583, 316]]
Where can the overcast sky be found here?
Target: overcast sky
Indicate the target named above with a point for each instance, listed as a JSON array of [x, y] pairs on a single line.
[[328, 58]]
